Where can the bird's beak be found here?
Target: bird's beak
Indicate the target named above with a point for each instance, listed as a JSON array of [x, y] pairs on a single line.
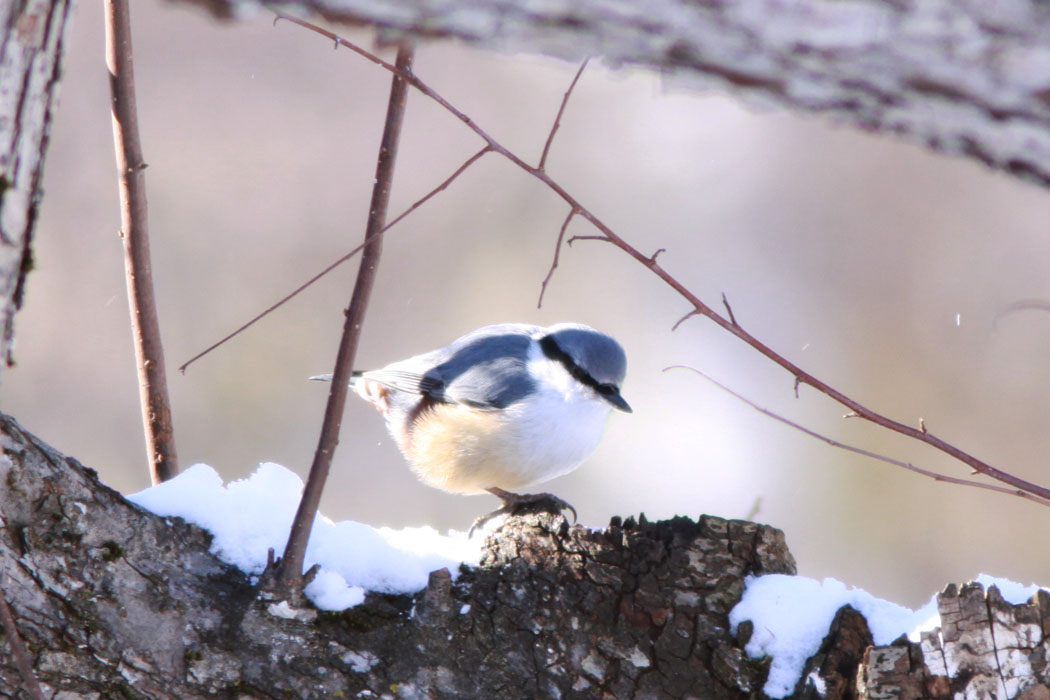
[[321, 378], [618, 401]]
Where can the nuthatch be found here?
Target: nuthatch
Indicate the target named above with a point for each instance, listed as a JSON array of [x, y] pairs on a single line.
[[503, 407]]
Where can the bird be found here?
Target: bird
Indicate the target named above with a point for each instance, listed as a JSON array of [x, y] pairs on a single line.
[[504, 407]]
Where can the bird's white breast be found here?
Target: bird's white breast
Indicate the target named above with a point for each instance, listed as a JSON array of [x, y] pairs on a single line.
[[547, 434]]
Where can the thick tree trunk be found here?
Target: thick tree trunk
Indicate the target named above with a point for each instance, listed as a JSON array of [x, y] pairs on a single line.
[[32, 35], [113, 601]]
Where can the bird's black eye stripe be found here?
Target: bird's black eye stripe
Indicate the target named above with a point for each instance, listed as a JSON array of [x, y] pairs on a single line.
[[552, 351]]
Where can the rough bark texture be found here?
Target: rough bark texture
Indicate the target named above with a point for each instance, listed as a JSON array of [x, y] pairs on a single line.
[[32, 34], [113, 601], [963, 76]]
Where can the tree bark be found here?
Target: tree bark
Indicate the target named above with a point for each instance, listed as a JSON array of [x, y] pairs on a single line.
[[113, 601], [32, 36]]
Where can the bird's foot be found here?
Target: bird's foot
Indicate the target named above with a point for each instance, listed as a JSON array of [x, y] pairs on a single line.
[[516, 503]]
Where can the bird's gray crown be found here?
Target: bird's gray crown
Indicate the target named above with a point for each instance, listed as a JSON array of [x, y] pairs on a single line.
[[596, 353]]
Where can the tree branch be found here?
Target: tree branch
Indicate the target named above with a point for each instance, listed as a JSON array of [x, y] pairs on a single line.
[[860, 451], [305, 285], [557, 251], [145, 327], [290, 569], [33, 40], [557, 117], [961, 78]]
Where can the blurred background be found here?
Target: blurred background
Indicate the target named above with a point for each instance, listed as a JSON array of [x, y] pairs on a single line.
[[875, 265]]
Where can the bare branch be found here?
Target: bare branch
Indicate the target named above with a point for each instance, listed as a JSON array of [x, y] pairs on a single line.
[[857, 450], [557, 254], [700, 307], [18, 649], [289, 575], [557, 118], [288, 297], [145, 326]]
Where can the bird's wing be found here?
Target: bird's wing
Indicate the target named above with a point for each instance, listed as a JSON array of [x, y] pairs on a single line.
[[404, 380], [486, 369]]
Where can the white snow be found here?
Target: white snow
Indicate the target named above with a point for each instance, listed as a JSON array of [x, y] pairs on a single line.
[[792, 614], [1012, 592], [250, 516]]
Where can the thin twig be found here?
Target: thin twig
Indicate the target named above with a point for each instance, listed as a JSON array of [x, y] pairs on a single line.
[[18, 649], [866, 453], [701, 308], [604, 239], [729, 309], [754, 510], [692, 312], [290, 569], [557, 256], [1021, 305], [557, 118], [284, 300], [145, 327]]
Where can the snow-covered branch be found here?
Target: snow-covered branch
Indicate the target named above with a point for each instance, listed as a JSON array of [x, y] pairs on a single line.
[[112, 600]]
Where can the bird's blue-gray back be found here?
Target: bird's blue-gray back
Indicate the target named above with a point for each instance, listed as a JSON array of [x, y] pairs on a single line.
[[485, 369]]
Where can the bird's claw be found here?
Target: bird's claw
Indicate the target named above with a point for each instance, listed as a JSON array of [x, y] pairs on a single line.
[[515, 503]]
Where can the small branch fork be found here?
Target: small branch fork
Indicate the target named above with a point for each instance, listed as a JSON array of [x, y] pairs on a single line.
[[145, 327], [699, 308]]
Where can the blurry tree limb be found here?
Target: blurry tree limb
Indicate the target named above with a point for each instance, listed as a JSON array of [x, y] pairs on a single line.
[[289, 576], [960, 76], [32, 38], [134, 232]]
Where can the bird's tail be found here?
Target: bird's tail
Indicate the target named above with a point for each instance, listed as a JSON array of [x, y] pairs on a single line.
[[354, 376]]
